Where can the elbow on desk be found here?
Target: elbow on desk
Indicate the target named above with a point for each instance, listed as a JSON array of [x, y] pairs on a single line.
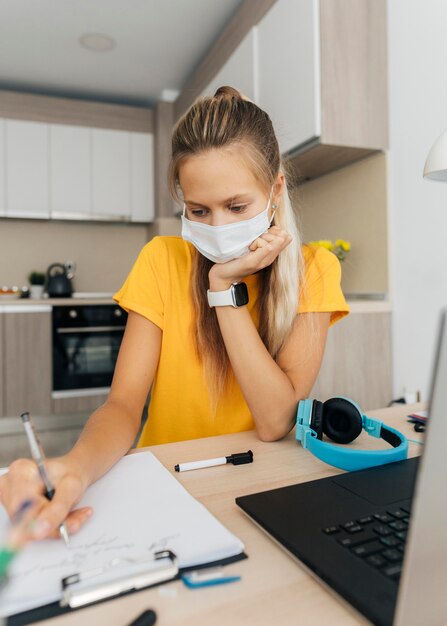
[[276, 429], [271, 433]]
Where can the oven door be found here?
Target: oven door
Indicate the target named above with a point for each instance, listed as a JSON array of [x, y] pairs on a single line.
[[85, 358]]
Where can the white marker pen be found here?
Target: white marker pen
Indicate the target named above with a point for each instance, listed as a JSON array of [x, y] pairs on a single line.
[[236, 459]]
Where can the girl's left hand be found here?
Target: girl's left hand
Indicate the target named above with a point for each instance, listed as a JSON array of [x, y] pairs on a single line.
[[263, 251]]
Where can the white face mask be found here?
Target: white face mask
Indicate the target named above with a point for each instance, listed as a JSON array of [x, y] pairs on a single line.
[[229, 241]]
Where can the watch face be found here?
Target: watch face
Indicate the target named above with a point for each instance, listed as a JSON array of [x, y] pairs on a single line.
[[240, 294]]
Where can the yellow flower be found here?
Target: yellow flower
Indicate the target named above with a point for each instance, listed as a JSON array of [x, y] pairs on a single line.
[[325, 243], [344, 245], [329, 245]]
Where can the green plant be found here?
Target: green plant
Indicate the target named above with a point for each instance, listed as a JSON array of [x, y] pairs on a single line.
[[36, 278]]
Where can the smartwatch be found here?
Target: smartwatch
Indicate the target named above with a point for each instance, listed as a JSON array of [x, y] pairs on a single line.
[[236, 295]]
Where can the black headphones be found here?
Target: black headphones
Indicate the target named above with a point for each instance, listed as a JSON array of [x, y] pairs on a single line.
[[342, 421]]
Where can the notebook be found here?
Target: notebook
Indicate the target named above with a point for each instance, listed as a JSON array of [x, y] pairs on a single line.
[[378, 536], [140, 508]]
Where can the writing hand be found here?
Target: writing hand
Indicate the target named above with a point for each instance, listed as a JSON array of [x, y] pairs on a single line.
[[23, 482]]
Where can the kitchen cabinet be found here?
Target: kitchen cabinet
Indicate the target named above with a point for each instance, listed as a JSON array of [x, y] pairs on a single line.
[[2, 169], [289, 76], [239, 71], [68, 172], [70, 184], [357, 361], [142, 182], [323, 80], [69, 404], [27, 169], [26, 359], [110, 173]]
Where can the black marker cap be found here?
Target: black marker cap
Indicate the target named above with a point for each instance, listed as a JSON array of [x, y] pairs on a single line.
[[240, 458]]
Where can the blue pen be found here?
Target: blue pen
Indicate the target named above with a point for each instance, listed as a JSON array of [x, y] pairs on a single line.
[[207, 578]]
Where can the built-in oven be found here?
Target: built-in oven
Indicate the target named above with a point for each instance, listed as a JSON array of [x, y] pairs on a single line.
[[86, 341]]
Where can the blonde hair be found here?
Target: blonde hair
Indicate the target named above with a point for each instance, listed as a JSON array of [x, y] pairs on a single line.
[[226, 120]]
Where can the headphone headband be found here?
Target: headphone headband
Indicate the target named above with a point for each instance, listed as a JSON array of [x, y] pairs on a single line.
[[346, 459]]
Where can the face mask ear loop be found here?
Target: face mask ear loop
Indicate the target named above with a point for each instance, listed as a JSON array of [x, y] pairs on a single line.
[[270, 198], [184, 210]]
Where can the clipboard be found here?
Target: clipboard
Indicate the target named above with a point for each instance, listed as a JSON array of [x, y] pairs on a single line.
[[84, 589]]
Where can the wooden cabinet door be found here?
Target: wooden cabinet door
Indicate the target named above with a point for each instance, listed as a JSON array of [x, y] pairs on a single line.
[[27, 169], [2, 168], [70, 169], [288, 60], [110, 174], [357, 361], [142, 177], [27, 360]]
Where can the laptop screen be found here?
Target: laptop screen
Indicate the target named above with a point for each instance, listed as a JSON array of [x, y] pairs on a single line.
[[422, 597]]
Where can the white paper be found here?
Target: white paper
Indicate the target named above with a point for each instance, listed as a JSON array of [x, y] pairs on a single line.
[[139, 508]]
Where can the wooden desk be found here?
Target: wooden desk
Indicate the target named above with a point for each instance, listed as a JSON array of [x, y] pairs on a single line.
[[275, 589]]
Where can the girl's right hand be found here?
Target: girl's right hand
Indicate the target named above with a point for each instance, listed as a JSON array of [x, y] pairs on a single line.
[[23, 482]]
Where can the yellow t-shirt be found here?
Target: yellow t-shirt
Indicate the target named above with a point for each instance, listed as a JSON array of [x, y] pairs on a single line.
[[158, 289]]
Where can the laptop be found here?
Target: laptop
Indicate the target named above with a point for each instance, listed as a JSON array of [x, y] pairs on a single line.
[[377, 537]]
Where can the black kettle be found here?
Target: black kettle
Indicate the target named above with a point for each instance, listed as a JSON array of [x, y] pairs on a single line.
[[58, 285]]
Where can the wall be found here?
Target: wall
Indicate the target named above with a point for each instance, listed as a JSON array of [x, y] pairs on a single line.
[[417, 208], [351, 204], [104, 252]]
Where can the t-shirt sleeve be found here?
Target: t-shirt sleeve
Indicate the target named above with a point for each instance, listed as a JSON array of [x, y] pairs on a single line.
[[144, 289], [321, 291]]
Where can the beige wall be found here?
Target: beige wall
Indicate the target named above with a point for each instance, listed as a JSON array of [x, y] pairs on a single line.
[[104, 253], [351, 204]]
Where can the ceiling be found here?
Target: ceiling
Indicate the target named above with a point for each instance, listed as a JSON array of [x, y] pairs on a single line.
[[159, 43]]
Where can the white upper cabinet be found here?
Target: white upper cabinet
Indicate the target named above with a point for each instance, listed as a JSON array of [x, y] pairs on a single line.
[[70, 184], [239, 71], [142, 177], [289, 71], [75, 172], [322, 78], [110, 173], [2, 169], [27, 171]]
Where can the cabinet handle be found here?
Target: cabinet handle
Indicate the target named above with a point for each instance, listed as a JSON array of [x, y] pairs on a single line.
[[89, 329]]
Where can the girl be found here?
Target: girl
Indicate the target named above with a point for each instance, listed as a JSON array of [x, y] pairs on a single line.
[[227, 324]]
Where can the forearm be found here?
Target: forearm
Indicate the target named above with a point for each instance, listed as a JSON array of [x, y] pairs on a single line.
[[107, 436], [268, 391]]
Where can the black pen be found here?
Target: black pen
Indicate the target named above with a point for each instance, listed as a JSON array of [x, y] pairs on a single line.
[[236, 459], [38, 456]]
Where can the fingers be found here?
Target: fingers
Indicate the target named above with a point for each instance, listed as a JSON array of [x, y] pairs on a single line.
[[279, 239], [68, 492], [21, 483], [262, 252], [74, 522], [20, 531]]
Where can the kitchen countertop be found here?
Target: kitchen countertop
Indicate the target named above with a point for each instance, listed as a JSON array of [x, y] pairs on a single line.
[[370, 306], [356, 306], [53, 301]]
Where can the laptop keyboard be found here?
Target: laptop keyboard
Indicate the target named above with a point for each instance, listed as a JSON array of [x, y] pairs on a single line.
[[379, 539]]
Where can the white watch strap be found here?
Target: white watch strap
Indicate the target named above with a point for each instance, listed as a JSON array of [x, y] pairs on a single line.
[[221, 298]]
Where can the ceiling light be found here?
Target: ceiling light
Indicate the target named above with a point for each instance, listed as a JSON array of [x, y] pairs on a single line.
[[97, 42], [170, 95]]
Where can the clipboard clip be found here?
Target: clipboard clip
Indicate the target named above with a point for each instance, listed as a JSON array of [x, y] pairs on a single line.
[[118, 577]]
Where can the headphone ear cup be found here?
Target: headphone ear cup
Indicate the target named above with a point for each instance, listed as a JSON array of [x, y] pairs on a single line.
[[342, 421], [316, 420]]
